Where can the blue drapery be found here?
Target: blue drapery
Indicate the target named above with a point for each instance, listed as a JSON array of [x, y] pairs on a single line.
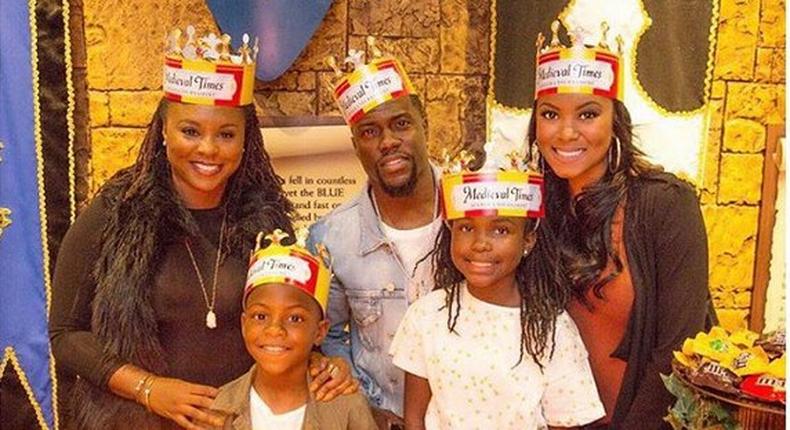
[[283, 26], [23, 276]]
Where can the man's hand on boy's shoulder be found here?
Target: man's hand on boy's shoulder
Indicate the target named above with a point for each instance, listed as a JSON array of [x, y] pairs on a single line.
[[386, 420], [331, 377]]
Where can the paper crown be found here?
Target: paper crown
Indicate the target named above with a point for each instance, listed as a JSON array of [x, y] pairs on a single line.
[[507, 185], [366, 86], [578, 68], [287, 264], [204, 71]]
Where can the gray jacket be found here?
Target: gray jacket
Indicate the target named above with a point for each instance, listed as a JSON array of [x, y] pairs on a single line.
[[369, 294], [343, 412]]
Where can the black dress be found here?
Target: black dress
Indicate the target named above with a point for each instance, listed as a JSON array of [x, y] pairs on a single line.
[[192, 351]]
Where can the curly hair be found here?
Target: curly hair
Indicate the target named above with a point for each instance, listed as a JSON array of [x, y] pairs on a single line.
[[538, 279], [254, 197], [583, 224]]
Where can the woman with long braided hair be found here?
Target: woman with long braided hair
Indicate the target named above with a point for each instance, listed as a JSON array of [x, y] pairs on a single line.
[[148, 284], [631, 237]]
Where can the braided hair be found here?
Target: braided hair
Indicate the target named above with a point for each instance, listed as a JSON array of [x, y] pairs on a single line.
[[543, 298], [582, 225]]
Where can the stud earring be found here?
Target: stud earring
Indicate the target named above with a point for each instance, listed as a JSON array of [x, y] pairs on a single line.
[[164, 142]]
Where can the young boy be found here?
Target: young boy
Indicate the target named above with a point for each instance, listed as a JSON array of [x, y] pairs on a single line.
[[283, 318]]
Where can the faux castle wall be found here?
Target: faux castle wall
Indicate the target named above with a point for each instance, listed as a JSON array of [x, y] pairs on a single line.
[[748, 95], [444, 44]]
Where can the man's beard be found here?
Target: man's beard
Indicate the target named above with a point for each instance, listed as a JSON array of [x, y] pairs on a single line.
[[402, 190]]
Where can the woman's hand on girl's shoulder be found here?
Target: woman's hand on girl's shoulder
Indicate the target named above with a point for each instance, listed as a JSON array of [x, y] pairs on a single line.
[[331, 377]]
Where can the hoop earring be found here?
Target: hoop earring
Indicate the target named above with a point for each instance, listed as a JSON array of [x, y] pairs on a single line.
[[542, 167], [619, 150], [536, 162]]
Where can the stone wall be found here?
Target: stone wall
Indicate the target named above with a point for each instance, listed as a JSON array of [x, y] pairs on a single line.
[[125, 42], [748, 95], [443, 44]]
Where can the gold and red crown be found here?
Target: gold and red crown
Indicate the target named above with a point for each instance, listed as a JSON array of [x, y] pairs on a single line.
[[579, 68], [205, 71], [360, 87], [507, 185], [288, 264]]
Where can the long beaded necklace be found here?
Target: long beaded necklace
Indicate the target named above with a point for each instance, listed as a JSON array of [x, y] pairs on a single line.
[[211, 315]]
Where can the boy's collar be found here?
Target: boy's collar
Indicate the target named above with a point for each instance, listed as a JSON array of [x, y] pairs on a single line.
[[235, 400], [236, 403]]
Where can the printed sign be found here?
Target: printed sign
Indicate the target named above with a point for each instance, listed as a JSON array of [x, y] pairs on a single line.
[[199, 84], [372, 87], [501, 193], [496, 195], [285, 266], [576, 73]]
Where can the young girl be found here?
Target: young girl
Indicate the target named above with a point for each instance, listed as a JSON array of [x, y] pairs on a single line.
[[491, 347]]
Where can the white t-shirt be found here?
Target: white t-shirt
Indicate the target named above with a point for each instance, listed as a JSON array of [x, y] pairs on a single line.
[[473, 380], [413, 245], [264, 419]]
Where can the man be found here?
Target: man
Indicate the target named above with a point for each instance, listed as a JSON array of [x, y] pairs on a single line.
[[378, 242]]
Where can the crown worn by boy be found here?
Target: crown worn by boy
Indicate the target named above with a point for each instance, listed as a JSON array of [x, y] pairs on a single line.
[[292, 264], [269, 320]]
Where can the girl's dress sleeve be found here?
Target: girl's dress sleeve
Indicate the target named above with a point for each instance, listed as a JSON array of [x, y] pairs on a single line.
[[407, 347], [570, 398]]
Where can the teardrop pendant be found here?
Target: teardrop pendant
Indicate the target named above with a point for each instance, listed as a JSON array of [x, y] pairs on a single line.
[[211, 319]]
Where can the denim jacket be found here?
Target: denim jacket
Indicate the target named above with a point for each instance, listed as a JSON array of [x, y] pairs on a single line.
[[369, 294]]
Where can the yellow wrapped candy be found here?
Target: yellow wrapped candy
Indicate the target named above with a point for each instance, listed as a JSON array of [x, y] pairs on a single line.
[[777, 367], [718, 332], [752, 361], [684, 359], [715, 346], [743, 337], [686, 355], [688, 347]]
